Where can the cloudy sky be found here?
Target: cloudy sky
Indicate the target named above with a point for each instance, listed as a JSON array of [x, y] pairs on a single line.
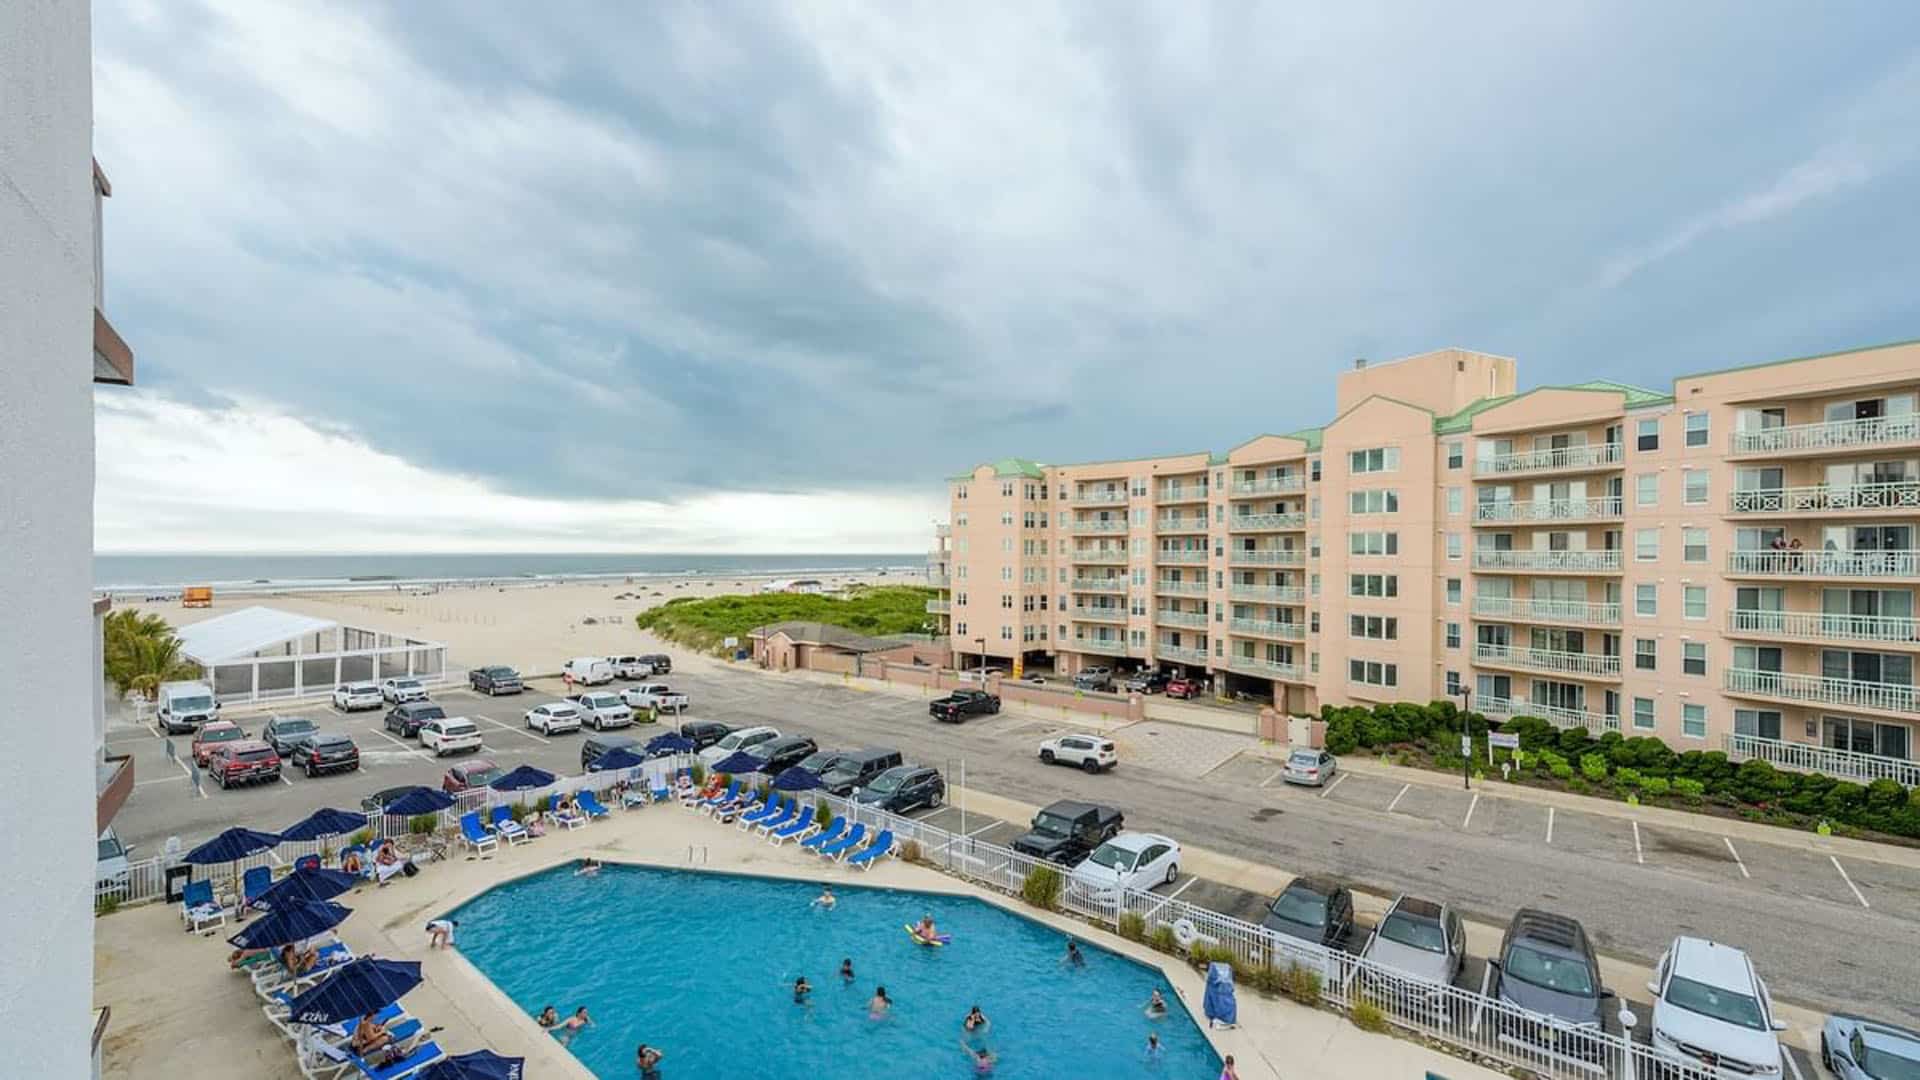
[[754, 277]]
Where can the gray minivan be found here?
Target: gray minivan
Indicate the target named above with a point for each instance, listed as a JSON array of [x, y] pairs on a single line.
[[857, 767]]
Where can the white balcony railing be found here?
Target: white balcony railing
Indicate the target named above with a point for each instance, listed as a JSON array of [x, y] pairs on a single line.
[[1266, 522], [1554, 660], [1185, 556], [1819, 626], [1180, 588], [1834, 435], [1100, 498], [1100, 614], [1182, 493], [1272, 669], [1821, 690], [1105, 646], [939, 607], [942, 529], [1176, 652], [1097, 526], [1828, 498], [1180, 618], [1104, 584], [1266, 557], [1281, 594], [1289, 631], [1579, 612], [1596, 456], [1189, 523], [1856, 564], [939, 581], [1549, 510], [1098, 555], [1270, 485], [1507, 708], [1805, 757], [1527, 562]]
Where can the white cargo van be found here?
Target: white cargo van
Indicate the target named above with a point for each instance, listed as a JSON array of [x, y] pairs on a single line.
[[588, 670], [184, 706]]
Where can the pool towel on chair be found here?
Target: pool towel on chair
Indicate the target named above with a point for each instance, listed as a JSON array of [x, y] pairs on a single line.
[[1219, 1003]]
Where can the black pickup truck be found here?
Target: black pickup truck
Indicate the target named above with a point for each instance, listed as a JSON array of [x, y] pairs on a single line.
[[961, 704], [1067, 831]]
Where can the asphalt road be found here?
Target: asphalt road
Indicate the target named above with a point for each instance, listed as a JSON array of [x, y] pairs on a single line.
[[1828, 935]]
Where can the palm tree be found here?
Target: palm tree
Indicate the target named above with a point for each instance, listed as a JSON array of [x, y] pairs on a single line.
[[141, 651]]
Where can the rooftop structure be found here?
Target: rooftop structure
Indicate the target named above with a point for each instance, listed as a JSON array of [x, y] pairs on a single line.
[[264, 654]]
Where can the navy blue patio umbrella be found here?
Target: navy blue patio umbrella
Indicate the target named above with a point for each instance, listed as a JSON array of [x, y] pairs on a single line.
[[418, 800], [621, 758], [305, 885], [737, 762], [290, 923], [479, 1065], [671, 742], [524, 778], [355, 989], [232, 846], [795, 778], [325, 822]]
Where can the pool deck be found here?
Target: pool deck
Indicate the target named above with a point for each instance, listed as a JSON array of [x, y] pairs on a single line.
[[177, 1012]]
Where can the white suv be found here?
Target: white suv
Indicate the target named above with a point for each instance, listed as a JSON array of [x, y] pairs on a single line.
[[1710, 1007], [736, 740], [1090, 752], [603, 709], [357, 695], [554, 717]]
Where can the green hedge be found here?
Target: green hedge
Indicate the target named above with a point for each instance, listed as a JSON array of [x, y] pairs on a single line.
[[1642, 764]]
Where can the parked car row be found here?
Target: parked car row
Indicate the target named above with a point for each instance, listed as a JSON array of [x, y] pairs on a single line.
[[231, 757], [599, 670]]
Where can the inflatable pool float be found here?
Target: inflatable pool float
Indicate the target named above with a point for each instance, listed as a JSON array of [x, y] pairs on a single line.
[[938, 939]]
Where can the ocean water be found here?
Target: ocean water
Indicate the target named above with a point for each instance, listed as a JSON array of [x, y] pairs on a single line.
[[702, 966], [135, 572]]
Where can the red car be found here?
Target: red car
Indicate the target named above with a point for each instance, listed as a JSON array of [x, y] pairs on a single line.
[[243, 761], [472, 773], [1184, 688], [211, 735]]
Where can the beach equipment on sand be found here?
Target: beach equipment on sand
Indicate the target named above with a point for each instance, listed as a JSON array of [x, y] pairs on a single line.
[[737, 763], [306, 886], [356, 988], [795, 778], [323, 823], [479, 1065], [417, 800], [291, 923], [524, 778]]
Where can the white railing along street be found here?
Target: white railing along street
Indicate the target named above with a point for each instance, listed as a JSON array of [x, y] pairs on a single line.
[[1554, 714], [1887, 697], [1821, 563], [1818, 626], [1567, 663], [1549, 509], [1586, 613], [1806, 757], [1579, 562], [1597, 455], [1832, 435], [1266, 522], [1828, 498]]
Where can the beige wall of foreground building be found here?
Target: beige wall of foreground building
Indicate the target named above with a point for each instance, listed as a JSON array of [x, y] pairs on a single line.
[[1730, 564]]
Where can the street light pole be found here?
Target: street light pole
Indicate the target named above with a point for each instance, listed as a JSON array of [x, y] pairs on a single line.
[[1466, 737]]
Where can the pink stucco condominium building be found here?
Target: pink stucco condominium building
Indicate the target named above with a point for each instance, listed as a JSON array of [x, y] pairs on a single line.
[[1728, 565]]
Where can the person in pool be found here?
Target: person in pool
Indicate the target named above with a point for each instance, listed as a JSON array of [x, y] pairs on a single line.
[[976, 1022], [1156, 1006], [1073, 957], [926, 931], [647, 1060], [846, 970], [801, 988], [1153, 1047], [588, 868], [1227, 1071], [825, 900], [572, 1025], [981, 1057], [878, 1004], [548, 1018]]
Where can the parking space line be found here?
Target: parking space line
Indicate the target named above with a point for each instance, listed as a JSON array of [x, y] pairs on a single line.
[[1184, 886], [1471, 807], [1549, 824], [1736, 857], [1638, 856], [1274, 776], [1843, 877], [1486, 980], [161, 780], [510, 727], [984, 828], [414, 750], [1792, 1065], [1336, 783], [1404, 788]]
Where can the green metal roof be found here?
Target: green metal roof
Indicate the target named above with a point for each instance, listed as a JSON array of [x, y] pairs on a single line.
[[1636, 396], [1463, 420], [1009, 466], [1797, 359], [1310, 436]]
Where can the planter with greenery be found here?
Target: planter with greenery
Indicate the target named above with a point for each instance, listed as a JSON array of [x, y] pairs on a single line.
[[1042, 888]]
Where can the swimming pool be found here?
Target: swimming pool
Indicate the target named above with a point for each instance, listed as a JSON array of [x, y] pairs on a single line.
[[702, 965]]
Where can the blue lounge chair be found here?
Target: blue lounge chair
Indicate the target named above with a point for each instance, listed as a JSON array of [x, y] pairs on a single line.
[[836, 829], [713, 802], [852, 840], [635, 797], [660, 792], [787, 813], [571, 820], [422, 1056], [590, 803], [475, 835], [500, 820], [254, 882], [881, 847], [748, 805], [779, 836], [198, 907], [366, 863], [767, 812]]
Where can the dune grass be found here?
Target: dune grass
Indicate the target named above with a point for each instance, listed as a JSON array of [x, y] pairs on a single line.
[[705, 624]]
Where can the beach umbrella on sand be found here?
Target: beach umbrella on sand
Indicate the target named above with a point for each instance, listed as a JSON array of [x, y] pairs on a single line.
[[524, 778], [306, 885], [737, 763], [232, 846], [621, 758], [671, 742], [796, 778], [417, 800], [323, 823], [355, 989], [479, 1065], [290, 923]]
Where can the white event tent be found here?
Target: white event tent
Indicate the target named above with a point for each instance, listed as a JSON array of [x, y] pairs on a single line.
[[265, 654]]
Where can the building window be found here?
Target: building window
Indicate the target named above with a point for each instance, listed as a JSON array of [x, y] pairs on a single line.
[[1693, 721], [1380, 585], [1313, 508], [961, 629], [1376, 459], [1006, 490], [1006, 601], [1313, 470], [1456, 501], [1453, 590], [1313, 621], [960, 491], [1373, 673], [1694, 601], [1643, 713], [1006, 573], [1313, 663], [1693, 657], [1693, 545], [1696, 429], [960, 518], [1377, 501], [1646, 545], [1006, 633], [1373, 627], [1453, 635], [1313, 585], [1762, 723], [1647, 434], [1646, 489], [1453, 683], [1456, 455], [1645, 654], [1219, 514], [1456, 546], [1646, 603], [1693, 486], [1373, 543]]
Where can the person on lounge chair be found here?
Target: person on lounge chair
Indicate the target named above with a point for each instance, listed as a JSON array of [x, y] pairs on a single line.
[[370, 1036], [298, 961], [388, 862], [352, 864], [246, 958]]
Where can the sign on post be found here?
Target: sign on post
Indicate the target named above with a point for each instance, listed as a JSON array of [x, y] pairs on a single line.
[[1503, 740], [1466, 746], [731, 643]]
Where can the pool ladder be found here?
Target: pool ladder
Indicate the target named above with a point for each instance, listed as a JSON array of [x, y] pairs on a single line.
[[697, 849]]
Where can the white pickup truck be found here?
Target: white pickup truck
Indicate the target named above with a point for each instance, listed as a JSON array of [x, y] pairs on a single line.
[[655, 696], [603, 709]]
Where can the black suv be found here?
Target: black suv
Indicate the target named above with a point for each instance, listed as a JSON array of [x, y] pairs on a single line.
[[905, 788], [498, 679], [856, 768], [777, 754], [324, 753], [1149, 682], [1067, 831], [705, 733], [1312, 909], [596, 746], [283, 733], [407, 717], [661, 663], [1547, 967]]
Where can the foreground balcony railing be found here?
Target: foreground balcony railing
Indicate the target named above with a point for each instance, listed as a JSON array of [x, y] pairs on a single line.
[[1281, 594], [1578, 612], [1596, 456], [1101, 584], [1266, 557], [1288, 631], [1182, 493], [1184, 556], [939, 607], [1272, 669], [1100, 614], [1819, 626], [1270, 485], [1186, 523], [1266, 522], [1507, 708], [1099, 498], [1183, 655], [939, 581], [1180, 588], [1805, 757], [1821, 690], [1548, 510], [1181, 618], [1097, 526], [1828, 498], [1814, 564], [1528, 562], [1564, 663], [1833, 435], [943, 529], [1105, 646], [1099, 555]]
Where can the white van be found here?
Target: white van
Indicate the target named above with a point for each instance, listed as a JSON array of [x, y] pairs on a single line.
[[588, 670], [184, 706]]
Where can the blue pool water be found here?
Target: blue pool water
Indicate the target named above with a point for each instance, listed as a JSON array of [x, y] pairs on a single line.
[[702, 966]]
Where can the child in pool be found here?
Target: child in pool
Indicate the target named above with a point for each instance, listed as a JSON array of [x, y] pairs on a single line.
[[878, 1005], [1156, 1006], [846, 970], [981, 1057]]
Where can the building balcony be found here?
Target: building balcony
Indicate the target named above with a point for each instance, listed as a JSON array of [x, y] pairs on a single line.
[[1181, 556], [1603, 508], [1585, 664], [112, 783], [1191, 523], [1266, 557], [1267, 523], [1100, 614], [1828, 499], [1268, 628], [940, 581], [1099, 556], [1892, 698], [1558, 459], [1276, 594], [1806, 757], [1104, 646], [1824, 564], [1100, 498], [1271, 485], [1184, 656], [1103, 585], [1837, 436], [1507, 708], [1571, 612], [1195, 619], [939, 607], [1547, 562], [1182, 493], [1819, 626], [1270, 669], [1180, 588], [1097, 526], [943, 529]]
